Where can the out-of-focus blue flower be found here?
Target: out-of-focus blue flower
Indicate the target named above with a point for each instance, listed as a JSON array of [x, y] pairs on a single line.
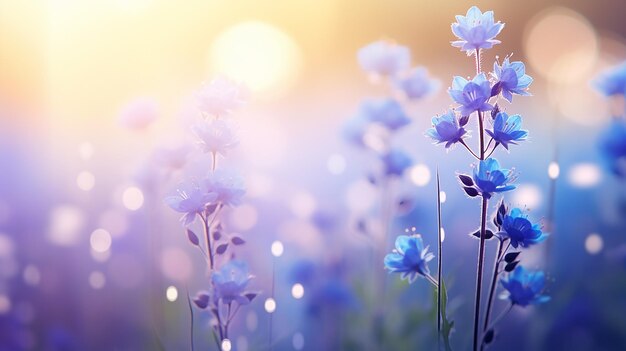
[[230, 282], [355, 128], [612, 81], [395, 162], [334, 295], [192, 199], [384, 58], [446, 129], [524, 287], [511, 79], [520, 230], [387, 112], [490, 178], [471, 95], [215, 136], [417, 84], [507, 129], [476, 30], [612, 144], [228, 186], [410, 257], [220, 97]]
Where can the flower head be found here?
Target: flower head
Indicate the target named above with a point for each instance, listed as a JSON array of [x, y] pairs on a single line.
[[409, 258], [139, 113], [507, 129], [396, 162], [520, 230], [231, 281], [613, 146], [228, 186], [612, 81], [511, 79], [524, 287], [215, 136], [476, 30], [446, 129], [220, 97], [386, 112], [490, 178], [384, 58], [471, 95], [192, 199], [417, 84]]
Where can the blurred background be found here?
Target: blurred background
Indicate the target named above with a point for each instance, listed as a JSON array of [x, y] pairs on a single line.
[[92, 259]]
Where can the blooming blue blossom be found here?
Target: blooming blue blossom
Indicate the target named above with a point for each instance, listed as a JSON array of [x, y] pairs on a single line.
[[524, 287], [384, 58], [471, 95], [192, 199], [417, 84], [613, 146], [215, 136], [511, 79], [228, 186], [490, 178], [410, 257], [231, 281], [446, 129], [507, 129], [476, 30], [395, 162], [612, 81], [520, 230], [220, 97]]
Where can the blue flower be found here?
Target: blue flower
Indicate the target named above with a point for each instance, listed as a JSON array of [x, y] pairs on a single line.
[[476, 30], [512, 79], [215, 136], [613, 146], [446, 129], [524, 287], [409, 258], [490, 178], [384, 58], [417, 84], [387, 112], [507, 129], [396, 162], [230, 282], [612, 81], [192, 199], [228, 186], [520, 230], [355, 128], [471, 95]]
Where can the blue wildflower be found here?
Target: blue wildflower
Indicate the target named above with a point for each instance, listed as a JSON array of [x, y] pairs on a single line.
[[230, 282], [355, 128], [446, 129], [384, 58], [490, 178], [507, 129], [192, 199], [520, 230], [524, 287], [387, 112], [613, 146], [476, 30], [395, 162], [417, 84], [612, 81], [511, 79], [471, 95], [409, 258], [228, 186]]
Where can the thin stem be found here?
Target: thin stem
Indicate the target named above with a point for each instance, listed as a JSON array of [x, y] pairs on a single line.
[[219, 322], [191, 320], [469, 149], [494, 281], [271, 314], [489, 144], [214, 163], [431, 280], [207, 234], [228, 319], [479, 274], [504, 313], [439, 259]]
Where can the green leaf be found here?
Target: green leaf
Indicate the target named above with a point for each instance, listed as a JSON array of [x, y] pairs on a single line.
[[446, 324]]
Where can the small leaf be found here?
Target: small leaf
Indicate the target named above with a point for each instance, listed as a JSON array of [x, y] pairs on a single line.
[[463, 121], [511, 266], [210, 209], [496, 89], [217, 235], [201, 300], [476, 233], [237, 240], [221, 249], [496, 221], [466, 180], [502, 208], [488, 337], [471, 192], [193, 238], [511, 256], [488, 234], [250, 296], [495, 111]]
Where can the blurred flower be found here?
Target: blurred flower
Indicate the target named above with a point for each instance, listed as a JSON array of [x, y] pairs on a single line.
[[511, 79], [476, 30], [490, 178], [417, 84], [228, 186], [384, 58], [139, 114], [334, 295], [172, 157], [231, 281], [446, 129], [396, 162], [355, 128], [524, 287], [613, 146], [612, 81], [215, 136], [520, 230], [192, 199], [220, 97], [387, 112], [471, 95], [409, 257], [507, 129]]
